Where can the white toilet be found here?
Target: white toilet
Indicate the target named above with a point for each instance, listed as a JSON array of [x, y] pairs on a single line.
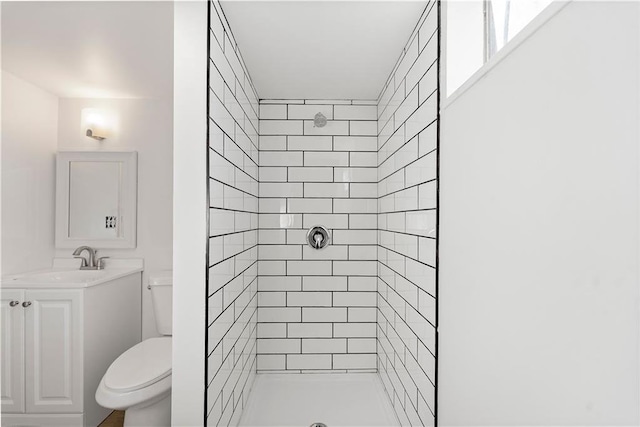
[[139, 381]]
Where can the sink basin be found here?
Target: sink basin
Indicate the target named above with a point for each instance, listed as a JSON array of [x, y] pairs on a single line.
[[65, 276]]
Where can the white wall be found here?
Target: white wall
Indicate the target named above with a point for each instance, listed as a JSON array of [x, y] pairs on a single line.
[[318, 176], [539, 249], [29, 142], [407, 212], [232, 282], [190, 219], [145, 126]]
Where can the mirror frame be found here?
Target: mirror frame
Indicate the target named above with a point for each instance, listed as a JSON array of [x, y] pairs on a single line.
[[128, 198]]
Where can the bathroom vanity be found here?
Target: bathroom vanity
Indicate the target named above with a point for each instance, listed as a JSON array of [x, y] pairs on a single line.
[[61, 329]]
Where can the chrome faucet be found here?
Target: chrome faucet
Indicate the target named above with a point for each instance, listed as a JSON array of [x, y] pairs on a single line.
[[92, 263]]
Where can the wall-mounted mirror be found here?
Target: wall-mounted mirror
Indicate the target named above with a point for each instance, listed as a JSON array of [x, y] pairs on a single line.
[[96, 199]]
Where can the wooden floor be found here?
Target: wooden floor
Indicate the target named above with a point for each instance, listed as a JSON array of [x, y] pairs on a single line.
[[116, 419]]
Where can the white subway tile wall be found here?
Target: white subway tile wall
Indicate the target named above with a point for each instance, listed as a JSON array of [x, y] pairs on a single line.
[[407, 173], [317, 308], [233, 230], [367, 302]]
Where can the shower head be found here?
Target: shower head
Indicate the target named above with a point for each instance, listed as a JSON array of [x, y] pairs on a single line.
[[319, 120]]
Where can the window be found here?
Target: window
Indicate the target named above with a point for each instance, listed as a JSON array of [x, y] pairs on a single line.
[[503, 19], [477, 30]]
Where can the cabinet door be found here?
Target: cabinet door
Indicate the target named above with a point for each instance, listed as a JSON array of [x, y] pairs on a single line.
[[12, 345], [53, 349]]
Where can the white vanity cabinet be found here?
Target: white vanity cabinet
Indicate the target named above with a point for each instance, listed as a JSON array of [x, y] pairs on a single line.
[[12, 344], [57, 343], [42, 351]]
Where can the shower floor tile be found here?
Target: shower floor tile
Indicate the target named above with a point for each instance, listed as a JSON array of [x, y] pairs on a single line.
[[303, 399]]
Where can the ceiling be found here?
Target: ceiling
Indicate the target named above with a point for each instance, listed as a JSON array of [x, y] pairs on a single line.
[[321, 49], [293, 49], [91, 49]]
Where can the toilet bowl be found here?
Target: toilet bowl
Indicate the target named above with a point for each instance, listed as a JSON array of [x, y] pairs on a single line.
[[139, 380]]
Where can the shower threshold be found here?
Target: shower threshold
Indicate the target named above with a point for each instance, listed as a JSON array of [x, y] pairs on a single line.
[[336, 400]]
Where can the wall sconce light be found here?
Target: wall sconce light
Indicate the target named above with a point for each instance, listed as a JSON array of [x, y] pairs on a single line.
[[95, 124]]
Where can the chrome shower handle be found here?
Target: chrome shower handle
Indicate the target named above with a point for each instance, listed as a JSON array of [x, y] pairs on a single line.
[[318, 237]]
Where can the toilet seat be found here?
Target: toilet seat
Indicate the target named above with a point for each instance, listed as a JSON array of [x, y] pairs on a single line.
[[142, 365], [148, 385]]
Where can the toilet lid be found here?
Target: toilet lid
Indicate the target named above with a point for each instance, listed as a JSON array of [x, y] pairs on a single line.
[[143, 364]]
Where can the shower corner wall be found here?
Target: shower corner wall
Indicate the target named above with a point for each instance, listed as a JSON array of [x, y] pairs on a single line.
[[408, 125], [233, 227], [366, 303]]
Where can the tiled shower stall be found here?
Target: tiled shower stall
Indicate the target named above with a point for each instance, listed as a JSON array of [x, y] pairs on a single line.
[[367, 302]]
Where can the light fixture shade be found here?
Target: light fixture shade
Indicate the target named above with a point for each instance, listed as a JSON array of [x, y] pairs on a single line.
[[95, 123]]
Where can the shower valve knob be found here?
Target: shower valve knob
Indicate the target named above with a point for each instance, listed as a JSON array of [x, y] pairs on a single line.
[[318, 237]]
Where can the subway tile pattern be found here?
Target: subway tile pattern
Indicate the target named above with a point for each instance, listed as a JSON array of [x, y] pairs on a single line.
[[233, 231], [367, 302], [407, 203], [317, 308]]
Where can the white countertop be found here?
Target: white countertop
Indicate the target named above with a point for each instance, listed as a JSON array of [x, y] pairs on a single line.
[[66, 274]]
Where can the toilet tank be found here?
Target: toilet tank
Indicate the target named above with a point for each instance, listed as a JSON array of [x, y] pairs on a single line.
[[161, 286]]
